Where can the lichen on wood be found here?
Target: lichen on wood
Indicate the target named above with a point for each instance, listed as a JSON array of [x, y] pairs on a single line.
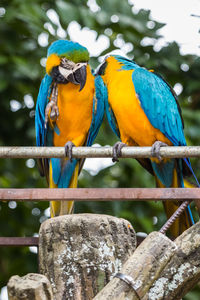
[[183, 271], [144, 266], [81, 253], [161, 269]]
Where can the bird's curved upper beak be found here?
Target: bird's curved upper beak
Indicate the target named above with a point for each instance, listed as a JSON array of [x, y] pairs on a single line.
[[77, 75]]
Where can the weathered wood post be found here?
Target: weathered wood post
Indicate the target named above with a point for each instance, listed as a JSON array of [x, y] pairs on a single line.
[[182, 272], [143, 267], [79, 254], [159, 269], [29, 287]]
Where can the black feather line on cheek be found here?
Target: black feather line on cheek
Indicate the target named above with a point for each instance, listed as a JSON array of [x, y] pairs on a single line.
[[57, 77]]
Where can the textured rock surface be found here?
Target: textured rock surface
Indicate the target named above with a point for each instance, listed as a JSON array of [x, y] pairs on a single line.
[[29, 287], [80, 253]]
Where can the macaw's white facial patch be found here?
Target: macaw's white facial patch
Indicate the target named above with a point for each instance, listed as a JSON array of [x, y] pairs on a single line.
[[65, 72]]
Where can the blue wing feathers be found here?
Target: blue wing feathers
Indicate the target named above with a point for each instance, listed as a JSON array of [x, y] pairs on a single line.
[[156, 97], [67, 173], [41, 131], [56, 167], [164, 172], [44, 93], [109, 113], [63, 171], [98, 110], [111, 118]]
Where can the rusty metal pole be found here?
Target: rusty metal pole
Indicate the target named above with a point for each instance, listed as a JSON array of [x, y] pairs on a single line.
[[173, 217]]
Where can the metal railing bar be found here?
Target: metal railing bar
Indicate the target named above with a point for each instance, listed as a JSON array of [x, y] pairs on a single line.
[[19, 241], [97, 152], [32, 241], [100, 194]]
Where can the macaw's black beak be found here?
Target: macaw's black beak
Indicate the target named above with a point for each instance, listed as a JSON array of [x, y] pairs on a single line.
[[77, 75], [80, 76]]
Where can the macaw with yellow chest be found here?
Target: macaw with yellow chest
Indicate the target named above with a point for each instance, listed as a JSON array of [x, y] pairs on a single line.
[[68, 113], [142, 110]]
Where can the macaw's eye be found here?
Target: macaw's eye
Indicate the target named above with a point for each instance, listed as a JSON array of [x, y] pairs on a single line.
[[68, 66]]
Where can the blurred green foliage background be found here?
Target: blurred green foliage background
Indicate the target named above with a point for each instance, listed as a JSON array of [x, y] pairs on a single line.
[[22, 26]]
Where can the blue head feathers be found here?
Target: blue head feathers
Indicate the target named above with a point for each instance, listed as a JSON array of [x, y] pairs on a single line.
[[71, 50]]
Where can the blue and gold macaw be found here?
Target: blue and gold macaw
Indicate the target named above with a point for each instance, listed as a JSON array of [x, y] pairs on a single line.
[[68, 113], [142, 110]]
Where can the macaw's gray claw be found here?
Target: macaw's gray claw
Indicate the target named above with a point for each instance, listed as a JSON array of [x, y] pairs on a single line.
[[68, 149], [51, 109], [117, 150], [155, 149]]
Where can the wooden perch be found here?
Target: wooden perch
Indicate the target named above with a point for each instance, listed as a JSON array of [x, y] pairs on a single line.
[[80, 253], [29, 287], [159, 268], [182, 273], [143, 266]]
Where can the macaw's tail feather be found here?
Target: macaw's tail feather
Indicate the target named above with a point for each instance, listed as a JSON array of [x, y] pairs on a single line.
[[187, 161], [188, 184], [185, 220], [58, 208]]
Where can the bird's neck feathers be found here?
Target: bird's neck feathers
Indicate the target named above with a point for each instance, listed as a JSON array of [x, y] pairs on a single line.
[[111, 66], [120, 63]]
